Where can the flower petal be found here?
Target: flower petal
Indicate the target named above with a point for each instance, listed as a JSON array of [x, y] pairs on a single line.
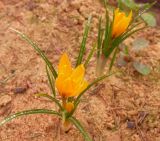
[[81, 87], [120, 23], [70, 82], [78, 74], [64, 67]]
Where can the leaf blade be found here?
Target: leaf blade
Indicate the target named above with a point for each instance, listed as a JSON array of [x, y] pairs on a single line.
[[51, 81], [39, 51], [51, 98], [81, 129], [83, 44], [90, 56], [28, 112]]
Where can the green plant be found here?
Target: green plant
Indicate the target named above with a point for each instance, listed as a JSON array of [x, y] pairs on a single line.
[[117, 28], [68, 82]]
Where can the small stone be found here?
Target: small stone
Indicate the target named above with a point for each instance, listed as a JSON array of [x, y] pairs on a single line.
[[19, 90], [131, 124], [4, 100]]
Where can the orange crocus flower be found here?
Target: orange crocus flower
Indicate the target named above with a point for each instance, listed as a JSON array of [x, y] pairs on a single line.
[[70, 82], [120, 23]]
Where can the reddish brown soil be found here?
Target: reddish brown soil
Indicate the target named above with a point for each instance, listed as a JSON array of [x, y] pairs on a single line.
[[108, 112]]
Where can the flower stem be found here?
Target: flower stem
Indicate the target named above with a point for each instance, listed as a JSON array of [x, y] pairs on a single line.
[[101, 63]]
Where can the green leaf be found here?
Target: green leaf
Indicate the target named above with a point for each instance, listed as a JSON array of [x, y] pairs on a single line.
[[140, 43], [51, 98], [29, 112], [90, 56], [141, 68], [80, 128], [113, 59], [100, 37], [128, 34], [83, 44], [51, 81], [150, 19], [39, 51], [108, 33]]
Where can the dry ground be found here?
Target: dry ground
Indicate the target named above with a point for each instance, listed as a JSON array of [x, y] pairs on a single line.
[[125, 107]]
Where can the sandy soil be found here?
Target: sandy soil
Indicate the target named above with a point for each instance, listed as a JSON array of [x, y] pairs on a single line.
[[128, 103]]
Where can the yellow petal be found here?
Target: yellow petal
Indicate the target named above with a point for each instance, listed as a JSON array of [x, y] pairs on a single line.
[[120, 23], [118, 16], [70, 82], [121, 27], [68, 88], [59, 85], [65, 86], [81, 87], [64, 67], [78, 74]]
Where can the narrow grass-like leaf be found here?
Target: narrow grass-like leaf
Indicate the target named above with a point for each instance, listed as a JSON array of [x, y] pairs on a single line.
[[51, 98], [108, 37], [80, 128], [113, 59], [100, 37], [51, 80], [132, 32], [90, 56], [29, 112], [113, 45], [132, 26], [83, 44], [40, 52], [107, 31]]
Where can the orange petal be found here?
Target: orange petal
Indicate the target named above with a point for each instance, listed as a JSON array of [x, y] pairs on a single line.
[[81, 87], [69, 106], [59, 85], [64, 67], [68, 88], [78, 74], [121, 23]]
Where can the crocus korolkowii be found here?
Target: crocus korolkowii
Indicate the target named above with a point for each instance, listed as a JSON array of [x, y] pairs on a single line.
[[70, 81], [111, 38], [120, 23]]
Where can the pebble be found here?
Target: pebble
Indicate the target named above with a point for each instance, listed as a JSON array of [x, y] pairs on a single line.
[[19, 90], [4, 100], [131, 124]]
